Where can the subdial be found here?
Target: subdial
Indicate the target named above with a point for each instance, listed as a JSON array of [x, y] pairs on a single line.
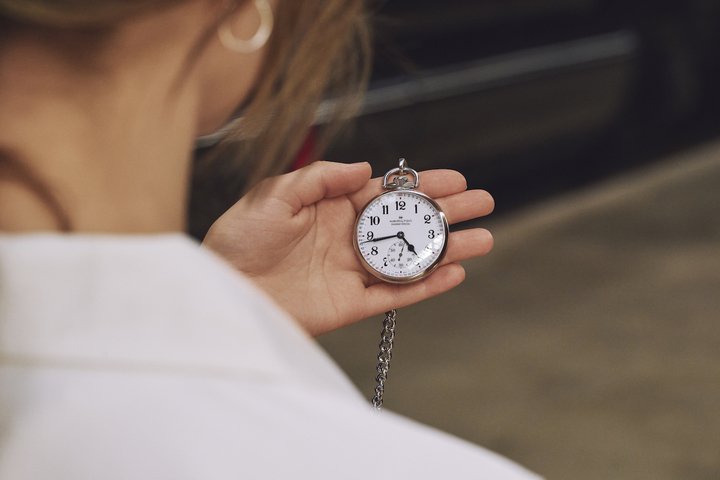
[[398, 255]]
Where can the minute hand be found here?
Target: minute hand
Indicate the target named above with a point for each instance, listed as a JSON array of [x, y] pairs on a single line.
[[380, 238]]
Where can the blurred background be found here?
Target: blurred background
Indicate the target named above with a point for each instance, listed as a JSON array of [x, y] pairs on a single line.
[[512, 90], [587, 345]]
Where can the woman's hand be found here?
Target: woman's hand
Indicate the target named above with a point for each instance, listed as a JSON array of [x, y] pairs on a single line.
[[292, 235]]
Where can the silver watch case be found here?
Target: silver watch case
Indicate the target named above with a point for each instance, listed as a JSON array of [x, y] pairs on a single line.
[[425, 272]]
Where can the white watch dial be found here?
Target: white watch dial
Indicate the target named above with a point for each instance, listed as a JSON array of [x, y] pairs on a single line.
[[401, 235]]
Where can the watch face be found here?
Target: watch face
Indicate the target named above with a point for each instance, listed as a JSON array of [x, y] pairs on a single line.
[[401, 236]]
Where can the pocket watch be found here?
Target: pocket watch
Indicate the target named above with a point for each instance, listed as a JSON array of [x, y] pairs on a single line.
[[400, 236]]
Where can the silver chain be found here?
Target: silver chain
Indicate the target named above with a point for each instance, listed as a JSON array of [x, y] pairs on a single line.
[[387, 337]]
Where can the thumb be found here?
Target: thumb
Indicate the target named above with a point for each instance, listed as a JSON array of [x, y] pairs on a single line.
[[321, 180]]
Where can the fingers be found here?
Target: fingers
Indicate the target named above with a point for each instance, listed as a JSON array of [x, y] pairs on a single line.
[[320, 180], [462, 245], [435, 183], [468, 244], [382, 297], [467, 205]]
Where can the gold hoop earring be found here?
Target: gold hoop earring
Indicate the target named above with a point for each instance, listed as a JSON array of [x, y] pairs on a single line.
[[257, 41]]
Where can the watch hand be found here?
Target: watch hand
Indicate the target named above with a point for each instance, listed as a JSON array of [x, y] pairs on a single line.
[[381, 238], [411, 247]]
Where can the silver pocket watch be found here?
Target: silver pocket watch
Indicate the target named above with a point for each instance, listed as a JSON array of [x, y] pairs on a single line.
[[400, 236]]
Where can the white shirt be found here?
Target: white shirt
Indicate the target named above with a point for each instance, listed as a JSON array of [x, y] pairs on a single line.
[[150, 358]]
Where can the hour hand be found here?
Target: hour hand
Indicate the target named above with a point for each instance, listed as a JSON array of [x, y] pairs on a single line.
[[380, 238], [411, 248]]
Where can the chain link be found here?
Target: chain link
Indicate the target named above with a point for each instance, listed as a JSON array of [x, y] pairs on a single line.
[[387, 337]]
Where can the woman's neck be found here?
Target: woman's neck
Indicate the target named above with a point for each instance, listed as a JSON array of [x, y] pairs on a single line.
[[111, 147]]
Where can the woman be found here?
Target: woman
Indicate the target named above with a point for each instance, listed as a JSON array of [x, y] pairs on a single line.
[[128, 351]]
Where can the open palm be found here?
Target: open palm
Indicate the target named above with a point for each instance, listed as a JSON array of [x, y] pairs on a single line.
[[292, 235]]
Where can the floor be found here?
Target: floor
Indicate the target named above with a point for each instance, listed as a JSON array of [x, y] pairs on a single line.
[[587, 345]]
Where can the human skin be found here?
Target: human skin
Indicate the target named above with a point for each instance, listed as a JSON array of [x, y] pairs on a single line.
[[113, 142], [293, 236]]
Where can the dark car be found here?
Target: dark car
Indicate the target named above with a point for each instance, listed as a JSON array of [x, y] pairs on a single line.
[[513, 90]]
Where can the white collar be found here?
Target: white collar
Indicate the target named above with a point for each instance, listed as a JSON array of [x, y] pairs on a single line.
[[146, 303]]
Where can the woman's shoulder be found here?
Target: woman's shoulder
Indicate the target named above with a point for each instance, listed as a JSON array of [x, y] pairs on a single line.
[[151, 355], [86, 424], [145, 302]]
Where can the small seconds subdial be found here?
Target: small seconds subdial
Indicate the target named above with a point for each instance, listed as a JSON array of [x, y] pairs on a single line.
[[401, 236], [399, 257]]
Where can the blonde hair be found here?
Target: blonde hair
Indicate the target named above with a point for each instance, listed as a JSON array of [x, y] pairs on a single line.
[[319, 49]]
